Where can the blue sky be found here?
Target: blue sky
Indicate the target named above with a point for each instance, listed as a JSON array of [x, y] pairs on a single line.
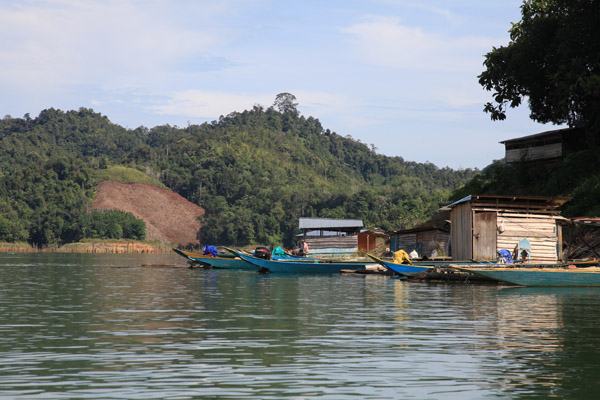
[[398, 75]]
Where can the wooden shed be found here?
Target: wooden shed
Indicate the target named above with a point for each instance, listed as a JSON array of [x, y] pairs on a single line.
[[429, 242], [370, 239], [331, 237], [483, 224], [544, 146]]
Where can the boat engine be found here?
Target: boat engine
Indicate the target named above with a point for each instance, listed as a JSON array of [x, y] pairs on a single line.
[[263, 252]]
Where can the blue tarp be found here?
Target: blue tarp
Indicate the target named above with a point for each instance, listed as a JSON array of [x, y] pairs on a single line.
[[506, 256], [210, 251]]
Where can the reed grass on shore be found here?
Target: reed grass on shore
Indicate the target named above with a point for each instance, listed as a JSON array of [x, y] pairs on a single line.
[[93, 246]]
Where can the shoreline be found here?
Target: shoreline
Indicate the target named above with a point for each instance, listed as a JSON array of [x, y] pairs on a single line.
[[88, 247]]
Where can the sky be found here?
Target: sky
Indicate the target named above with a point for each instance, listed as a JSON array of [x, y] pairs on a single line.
[[399, 76]]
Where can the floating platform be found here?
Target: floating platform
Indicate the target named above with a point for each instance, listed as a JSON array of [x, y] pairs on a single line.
[[435, 274]]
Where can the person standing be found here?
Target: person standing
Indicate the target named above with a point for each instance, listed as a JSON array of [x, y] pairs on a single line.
[[304, 248]]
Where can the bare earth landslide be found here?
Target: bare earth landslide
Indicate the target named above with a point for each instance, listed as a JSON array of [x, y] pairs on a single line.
[[168, 216]]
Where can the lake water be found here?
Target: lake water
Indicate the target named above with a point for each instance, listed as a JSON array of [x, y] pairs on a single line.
[[80, 327]]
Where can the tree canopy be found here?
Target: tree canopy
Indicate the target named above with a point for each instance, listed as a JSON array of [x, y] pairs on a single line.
[[553, 60], [286, 103]]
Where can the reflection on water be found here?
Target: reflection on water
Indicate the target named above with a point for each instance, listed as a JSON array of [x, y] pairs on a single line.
[[74, 326]]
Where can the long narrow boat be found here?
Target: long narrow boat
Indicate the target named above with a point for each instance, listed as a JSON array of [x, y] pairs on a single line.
[[224, 261], [402, 269], [538, 275], [311, 266]]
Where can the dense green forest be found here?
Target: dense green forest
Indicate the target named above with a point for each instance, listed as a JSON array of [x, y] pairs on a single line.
[[45, 202], [254, 172]]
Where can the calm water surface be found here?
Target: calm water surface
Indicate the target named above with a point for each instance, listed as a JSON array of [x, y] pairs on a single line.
[[82, 327]]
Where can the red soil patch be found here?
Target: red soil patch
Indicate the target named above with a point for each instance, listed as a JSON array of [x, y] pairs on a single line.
[[168, 216]]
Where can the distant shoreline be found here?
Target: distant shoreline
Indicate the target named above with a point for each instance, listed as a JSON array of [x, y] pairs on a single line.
[[91, 247]]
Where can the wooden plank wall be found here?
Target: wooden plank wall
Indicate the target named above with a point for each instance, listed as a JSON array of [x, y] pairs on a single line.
[[540, 230], [328, 242], [406, 241], [460, 232], [433, 240], [534, 153]]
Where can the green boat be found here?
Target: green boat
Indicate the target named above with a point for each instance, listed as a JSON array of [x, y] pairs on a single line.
[[223, 261], [539, 275], [312, 266]]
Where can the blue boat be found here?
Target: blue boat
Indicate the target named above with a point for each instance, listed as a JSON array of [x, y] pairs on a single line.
[[539, 275], [224, 261], [402, 269], [312, 266]]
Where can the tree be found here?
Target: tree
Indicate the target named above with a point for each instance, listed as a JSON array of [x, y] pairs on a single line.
[[553, 59], [285, 103]]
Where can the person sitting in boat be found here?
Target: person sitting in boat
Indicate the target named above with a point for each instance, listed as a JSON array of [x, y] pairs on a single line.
[[387, 253], [302, 250], [401, 257], [210, 251]]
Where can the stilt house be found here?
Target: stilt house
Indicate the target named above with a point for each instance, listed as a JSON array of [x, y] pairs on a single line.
[[482, 225], [331, 237], [545, 146]]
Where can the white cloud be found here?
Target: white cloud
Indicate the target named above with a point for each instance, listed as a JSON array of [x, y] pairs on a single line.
[[319, 102], [205, 104], [346, 111], [63, 43], [383, 41]]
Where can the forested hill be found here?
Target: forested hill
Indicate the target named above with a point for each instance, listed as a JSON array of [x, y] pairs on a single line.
[[254, 172]]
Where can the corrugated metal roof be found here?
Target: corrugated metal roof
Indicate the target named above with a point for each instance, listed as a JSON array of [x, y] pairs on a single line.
[[317, 233], [463, 200], [329, 223], [551, 201]]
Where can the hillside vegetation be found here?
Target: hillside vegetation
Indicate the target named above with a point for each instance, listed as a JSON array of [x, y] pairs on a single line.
[[122, 174], [254, 173]]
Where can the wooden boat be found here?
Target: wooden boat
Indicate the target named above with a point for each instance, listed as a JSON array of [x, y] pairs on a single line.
[[402, 269], [312, 266], [538, 275], [447, 263], [223, 261]]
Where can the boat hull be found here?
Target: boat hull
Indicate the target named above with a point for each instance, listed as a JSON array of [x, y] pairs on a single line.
[[301, 267], [556, 277], [227, 262], [401, 269]]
